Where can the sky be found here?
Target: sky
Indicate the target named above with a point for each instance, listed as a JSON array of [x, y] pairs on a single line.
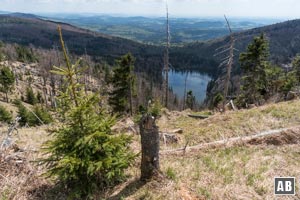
[[178, 8]]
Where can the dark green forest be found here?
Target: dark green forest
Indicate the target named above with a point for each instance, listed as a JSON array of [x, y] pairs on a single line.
[[31, 31]]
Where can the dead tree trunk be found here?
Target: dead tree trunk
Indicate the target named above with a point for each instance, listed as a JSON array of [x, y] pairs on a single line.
[[130, 99], [230, 62], [150, 148], [45, 96], [184, 95], [16, 76], [166, 62]]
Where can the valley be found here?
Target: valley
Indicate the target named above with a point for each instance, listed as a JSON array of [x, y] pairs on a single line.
[[195, 56], [151, 30], [146, 107]]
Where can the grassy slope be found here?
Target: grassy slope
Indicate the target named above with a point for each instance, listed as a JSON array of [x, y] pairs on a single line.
[[239, 172], [231, 124]]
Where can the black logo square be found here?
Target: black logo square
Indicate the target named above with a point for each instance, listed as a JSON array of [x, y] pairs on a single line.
[[284, 186]]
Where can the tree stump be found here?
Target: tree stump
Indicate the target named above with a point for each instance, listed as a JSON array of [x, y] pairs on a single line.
[[150, 148]]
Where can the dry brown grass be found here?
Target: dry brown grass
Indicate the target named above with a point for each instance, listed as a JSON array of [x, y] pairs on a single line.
[[19, 178], [245, 171], [20, 173], [220, 174], [232, 124]]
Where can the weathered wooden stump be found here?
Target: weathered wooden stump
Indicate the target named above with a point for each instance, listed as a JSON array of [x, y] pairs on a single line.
[[150, 148]]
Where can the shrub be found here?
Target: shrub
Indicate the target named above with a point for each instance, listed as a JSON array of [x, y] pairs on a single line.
[[171, 174], [39, 97], [22, 112], [29, 118], [5, 116], [190, 100], [30, 97], [41, 115], [7, 80], [218, 98], [25, 55], [155, 109]]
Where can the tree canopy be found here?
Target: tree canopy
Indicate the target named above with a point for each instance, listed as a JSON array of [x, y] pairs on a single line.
[[123, 81], [7, 80]]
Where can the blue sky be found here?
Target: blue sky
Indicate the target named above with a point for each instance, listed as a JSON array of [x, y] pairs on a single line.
[[188, 8]]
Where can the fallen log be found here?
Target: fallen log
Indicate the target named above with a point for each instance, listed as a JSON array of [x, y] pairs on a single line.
[[229, 141], [198, 116]]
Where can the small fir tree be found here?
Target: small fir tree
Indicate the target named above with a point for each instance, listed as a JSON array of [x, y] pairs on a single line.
[[39, 97], [37, 117], [30, 96], [84, 154], [218, 98], [190, 100], [7, 80], [5, 116], [23, 113], [40, 117]]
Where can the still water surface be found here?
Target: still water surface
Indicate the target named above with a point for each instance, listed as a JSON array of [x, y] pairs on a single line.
[[196, 82]]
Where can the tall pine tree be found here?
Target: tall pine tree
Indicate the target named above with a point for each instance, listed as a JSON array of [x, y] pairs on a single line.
[[254, 63], [296, 67], [123, 81], [7, 80]]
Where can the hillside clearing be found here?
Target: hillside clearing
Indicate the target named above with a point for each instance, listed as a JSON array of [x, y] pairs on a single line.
[[242, 171], [232, 124]]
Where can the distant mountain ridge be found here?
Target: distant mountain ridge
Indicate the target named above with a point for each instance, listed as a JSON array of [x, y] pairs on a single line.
[[43, 33], [22, 15], [284, 39], [284, 44], [4, 12], [152, 29]]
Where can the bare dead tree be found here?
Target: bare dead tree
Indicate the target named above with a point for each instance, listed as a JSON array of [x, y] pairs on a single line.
[[230, 59], [16, 76], [166, 60], [228, 51], [8, 140], [131, 94], [184, 95], [86, 75]]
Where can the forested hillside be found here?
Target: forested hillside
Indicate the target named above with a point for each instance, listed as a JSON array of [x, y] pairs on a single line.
[[151, 30], [40, 33], [282, 48], [195, 56]]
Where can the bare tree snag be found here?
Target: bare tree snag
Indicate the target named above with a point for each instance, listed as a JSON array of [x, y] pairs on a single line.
[[184, 95], [150, 148], [16, 76], [228, 51], [166, 61], [230, 61]]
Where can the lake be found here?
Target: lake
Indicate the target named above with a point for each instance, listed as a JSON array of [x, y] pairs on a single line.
[[196, 82]]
